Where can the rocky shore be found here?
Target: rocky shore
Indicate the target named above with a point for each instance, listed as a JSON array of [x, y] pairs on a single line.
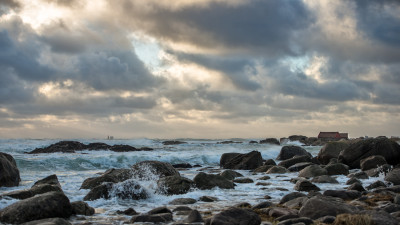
[[357, 161]]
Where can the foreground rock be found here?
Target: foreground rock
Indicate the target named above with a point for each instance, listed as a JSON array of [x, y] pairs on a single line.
[[320, 206], [9, 173], [45, 185], [81, 208], [128, 189], [235, 216], [372, 162], [48, 205], [288, 152], [387, 148], [111, 175], [152, 170], [174, 185], [248, 161], [331, 150], [205, 181], [73, 146], [393, 176]]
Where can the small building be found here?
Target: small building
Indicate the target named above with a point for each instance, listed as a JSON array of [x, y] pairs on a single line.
[[331, 136]]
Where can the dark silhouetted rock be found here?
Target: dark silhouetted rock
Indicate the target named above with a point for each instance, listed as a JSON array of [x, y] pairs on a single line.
[[205, 181], [387, 148], [262, 205], [123, 148], [337, 169], [343, 194], [248, 161], [319, 206], [128, 212], [270, 162], [48, 205], [82, 208], [352, 181], [243, 180], [312, 171], [208, 199], [372, 162], [356, 187], [393, 176], [147, 170], [111, 175], [226, 157], [128, 189], [62, 146], [376, 184], [358, 175], [174, 185], [272, 141], [294, 160], [230, 174], [194, 217], [324, 179], [278, 212], [277, 169], [288, 152], [263, 169], [182, 166], [305, 185], [331, 150], [173, 142], [159, 210], [97, 146], [235, 216], [156, 218], [9, 173]]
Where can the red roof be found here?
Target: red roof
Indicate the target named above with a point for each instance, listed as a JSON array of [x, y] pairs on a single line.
[[328, 135]]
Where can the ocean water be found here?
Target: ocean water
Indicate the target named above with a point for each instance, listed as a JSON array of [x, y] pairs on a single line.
[[73, 168]]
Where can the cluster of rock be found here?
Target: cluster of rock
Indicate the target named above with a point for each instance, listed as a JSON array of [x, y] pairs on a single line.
[[73, 146], [9, 173]]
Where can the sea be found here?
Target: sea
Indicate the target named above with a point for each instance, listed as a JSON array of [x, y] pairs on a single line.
[[73, 168]]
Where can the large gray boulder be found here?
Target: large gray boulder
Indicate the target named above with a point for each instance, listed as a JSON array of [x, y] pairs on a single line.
[[82, 208], [372, 162], [305, 185], [150, 170], [48, 205], [331, 150], [111, 175], [337, 169], [393, 176], [226, 157], [312, 171], [235, 216], [248, 161], [288, 152], [230, 174], [9, 173], [174, 185], [320, 206], [387, 148], [205, 181]]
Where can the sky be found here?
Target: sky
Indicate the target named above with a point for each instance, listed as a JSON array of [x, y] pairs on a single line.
[[198, 68]]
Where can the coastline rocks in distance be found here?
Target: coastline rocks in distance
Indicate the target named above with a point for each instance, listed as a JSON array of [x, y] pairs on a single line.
[[173, 142], [152, 170], [235, 216], [9, 173], [383, 146], [331, 150], [111, 175], [42, 186], [290, 151], [73, 146], [174, 185], [272, 141], [248, 161], [205, 181], [48, 205]]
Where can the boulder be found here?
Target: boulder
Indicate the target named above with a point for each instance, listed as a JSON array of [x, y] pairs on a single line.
[[288, 152], [182, 166], [194, 217], [387, 148], [270, 162], [159, 210], [183, 201], [173, 142], [48, 205], [319, 206], [262, 205], [97, 146], [235, 216], [205, 181], [312, 171], [271, 141], [296, 159], [291, 196], [174, 185], [352, 181], [45, 185], [208, 199], [324, 179], [299, 166], [343, 194], [128, 212], [263, 169], [248, 161], [305, 185], [337, 169], [128, 189], [279, 212], [123, 148], [356, 187], [51, 221], [62, 146], [300, 138], [393, 176], [331, 150], [376, 184], [82, 208], [156, 218], [111, 175], [372, 162], [230, 174], [9, 173], [382, 169], [358, 175], [277, 169], [296, 203], [243, 180], [226, 157], [367, 217], [152, 170]]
